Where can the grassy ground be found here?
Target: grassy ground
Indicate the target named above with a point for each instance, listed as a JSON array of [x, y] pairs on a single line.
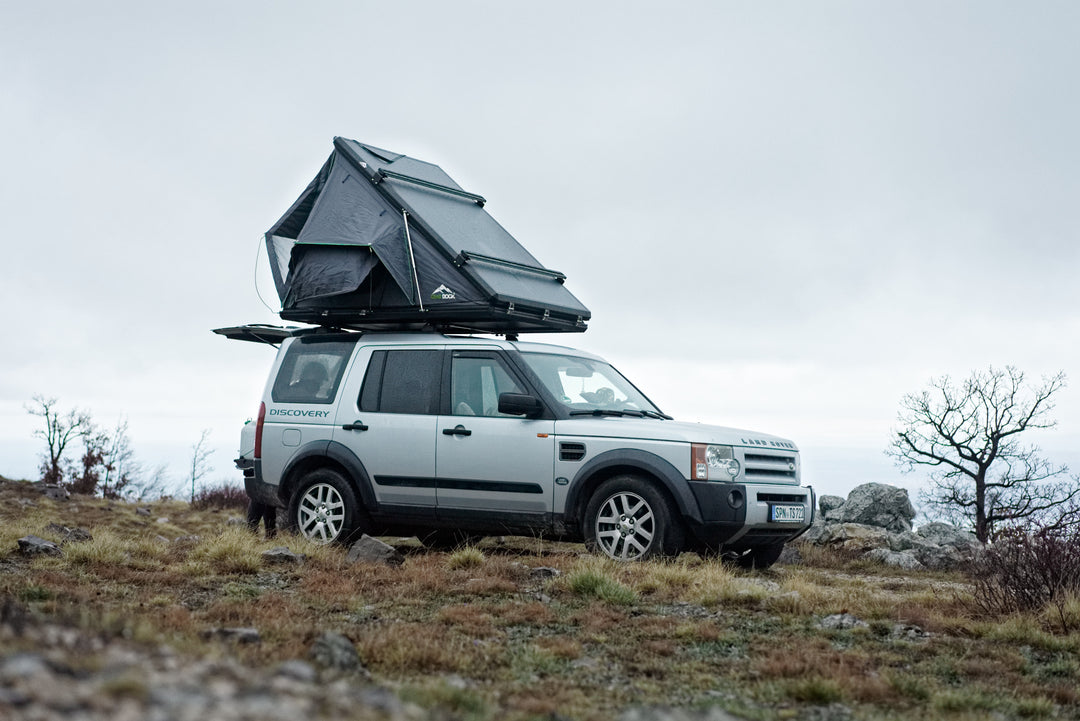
[[482, 634]]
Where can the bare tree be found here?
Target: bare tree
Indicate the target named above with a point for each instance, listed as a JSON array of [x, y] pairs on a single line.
[[59, 431], [120, 468], [969, 435], [200, 461]]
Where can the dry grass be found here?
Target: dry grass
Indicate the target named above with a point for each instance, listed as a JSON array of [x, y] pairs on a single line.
[[584, 644]]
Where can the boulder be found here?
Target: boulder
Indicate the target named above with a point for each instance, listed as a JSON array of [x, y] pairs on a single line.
[[239, 635], [828, 505], [900, 559], [69, 534], [55, 492], [372, 550], [283, 555], [333, 650], [855, 536], [37, 546], [876, 504], [942, 534]]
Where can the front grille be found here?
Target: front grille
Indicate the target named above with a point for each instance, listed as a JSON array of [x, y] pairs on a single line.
[[782, 497], [765, 466]]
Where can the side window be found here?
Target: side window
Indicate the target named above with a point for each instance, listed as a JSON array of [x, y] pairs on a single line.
[[402, 381], [311, 371], [476, 382]]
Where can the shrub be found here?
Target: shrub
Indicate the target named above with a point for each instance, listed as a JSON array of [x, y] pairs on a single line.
[[222, 496], [1029, 571]]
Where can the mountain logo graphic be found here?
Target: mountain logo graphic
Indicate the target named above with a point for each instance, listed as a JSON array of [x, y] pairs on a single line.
[[442, 293]]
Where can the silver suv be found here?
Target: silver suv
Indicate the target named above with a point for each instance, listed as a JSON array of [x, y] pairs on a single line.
[[453, 438]]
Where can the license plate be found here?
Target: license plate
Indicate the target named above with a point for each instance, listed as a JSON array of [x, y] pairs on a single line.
[[786, 514]]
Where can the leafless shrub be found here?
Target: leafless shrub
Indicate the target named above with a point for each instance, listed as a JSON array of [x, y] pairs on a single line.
[[1028, 571], [223, 495]]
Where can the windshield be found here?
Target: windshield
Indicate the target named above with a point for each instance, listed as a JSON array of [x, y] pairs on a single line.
[[589, 387]]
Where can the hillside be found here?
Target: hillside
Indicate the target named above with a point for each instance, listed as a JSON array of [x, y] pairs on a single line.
[[169, 612]]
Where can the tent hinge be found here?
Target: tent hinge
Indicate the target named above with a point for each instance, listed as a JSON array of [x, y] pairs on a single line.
[[456, 192]]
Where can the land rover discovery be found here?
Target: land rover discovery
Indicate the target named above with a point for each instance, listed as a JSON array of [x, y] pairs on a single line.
[[453, 438]]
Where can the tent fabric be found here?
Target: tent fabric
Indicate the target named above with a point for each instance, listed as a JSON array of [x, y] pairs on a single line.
[[381, 240]]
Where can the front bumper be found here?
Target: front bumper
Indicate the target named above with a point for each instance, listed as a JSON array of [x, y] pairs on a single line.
[[736, 515]]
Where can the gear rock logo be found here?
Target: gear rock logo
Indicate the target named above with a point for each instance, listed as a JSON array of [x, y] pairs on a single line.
[[442, 293]]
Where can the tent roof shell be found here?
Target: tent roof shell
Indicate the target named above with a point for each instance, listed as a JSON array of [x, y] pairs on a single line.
[[515, 291]]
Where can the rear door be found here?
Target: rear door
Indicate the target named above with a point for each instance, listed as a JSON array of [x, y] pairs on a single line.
[[387, 417], [491, 466]]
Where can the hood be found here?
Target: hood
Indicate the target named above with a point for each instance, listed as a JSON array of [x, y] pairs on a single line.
[[675, 431]]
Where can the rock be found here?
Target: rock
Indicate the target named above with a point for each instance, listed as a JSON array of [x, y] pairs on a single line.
[[142, 511], [55, 492], [333, 650], [841, 621], [854, 536], [163, 520], [827, 504], [36, 546], [664, 713], [899, 559], [942, 557], [298, 670], [790, 556], [69, 534], [544, 572], [282, 555], [239, 635], [372, 550], [26, 503], [879, 505], [236, 521], [942, 534]]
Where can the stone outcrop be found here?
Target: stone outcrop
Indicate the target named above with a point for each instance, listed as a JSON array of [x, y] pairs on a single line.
[[876, 521], [372, 550]]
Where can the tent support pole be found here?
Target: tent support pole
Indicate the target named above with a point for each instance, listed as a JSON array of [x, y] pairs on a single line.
[[412, 261]]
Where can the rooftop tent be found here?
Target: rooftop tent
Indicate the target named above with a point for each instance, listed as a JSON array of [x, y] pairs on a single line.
[[379, 240]]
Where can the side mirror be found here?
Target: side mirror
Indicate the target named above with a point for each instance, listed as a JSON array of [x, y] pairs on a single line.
[[520, 404]]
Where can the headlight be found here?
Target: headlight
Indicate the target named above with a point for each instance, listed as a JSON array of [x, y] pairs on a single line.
[[713, 463]]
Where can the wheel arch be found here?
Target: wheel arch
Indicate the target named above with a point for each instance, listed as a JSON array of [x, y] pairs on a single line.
[[650, 466], [327, 454]]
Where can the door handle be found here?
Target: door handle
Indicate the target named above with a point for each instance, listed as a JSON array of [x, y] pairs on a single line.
[[457, 431], [356, 425]]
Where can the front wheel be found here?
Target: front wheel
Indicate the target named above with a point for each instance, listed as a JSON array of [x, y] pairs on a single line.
[[629, 519], [324, 507]]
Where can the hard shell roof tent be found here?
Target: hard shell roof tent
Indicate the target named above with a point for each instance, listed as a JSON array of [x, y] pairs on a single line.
[[382, 241]]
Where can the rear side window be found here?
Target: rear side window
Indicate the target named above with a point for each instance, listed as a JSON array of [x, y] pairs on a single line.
[[311, 371], [402, 381]]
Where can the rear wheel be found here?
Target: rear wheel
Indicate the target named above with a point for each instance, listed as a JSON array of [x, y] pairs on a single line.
[[760, 557], [629, 519], [324, 507]]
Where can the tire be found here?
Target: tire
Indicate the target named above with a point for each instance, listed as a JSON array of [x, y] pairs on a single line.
[[630, 519], [324, 508], [760, 557]]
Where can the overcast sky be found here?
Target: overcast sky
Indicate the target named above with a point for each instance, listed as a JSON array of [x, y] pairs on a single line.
[[783, 215]]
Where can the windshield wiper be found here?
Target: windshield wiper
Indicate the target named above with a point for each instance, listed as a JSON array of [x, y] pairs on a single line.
[[601, 412], [633, 413]]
